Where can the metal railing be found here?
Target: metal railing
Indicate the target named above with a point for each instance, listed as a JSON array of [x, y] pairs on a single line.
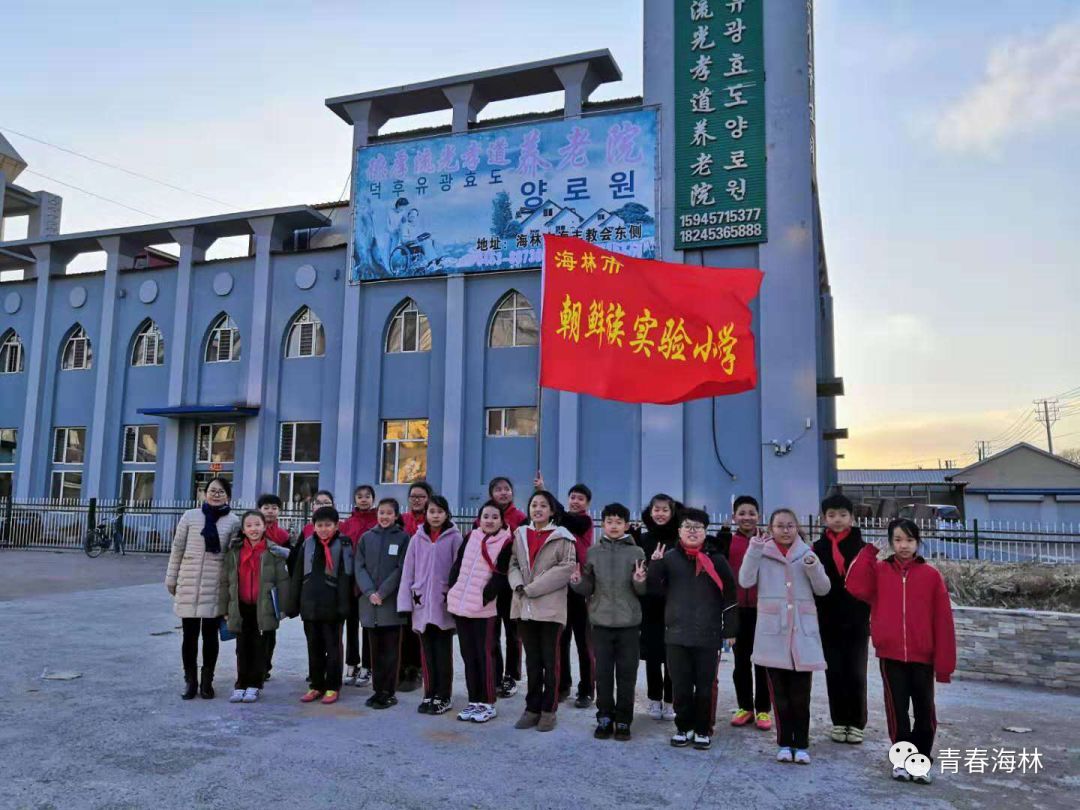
[[44, 523]]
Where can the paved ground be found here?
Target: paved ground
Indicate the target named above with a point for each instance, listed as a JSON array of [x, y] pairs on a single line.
[[120, 737]]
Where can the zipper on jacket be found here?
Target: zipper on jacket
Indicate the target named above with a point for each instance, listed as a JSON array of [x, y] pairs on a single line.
[[903, 613]]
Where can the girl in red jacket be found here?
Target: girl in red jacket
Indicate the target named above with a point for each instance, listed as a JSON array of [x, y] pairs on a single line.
[[911, 624], [357, 655]]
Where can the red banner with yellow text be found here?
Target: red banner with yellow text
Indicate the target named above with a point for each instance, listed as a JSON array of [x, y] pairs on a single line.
[[638, 330]]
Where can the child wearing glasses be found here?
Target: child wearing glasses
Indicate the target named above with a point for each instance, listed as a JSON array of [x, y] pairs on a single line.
[[788, 576], [699, 614]]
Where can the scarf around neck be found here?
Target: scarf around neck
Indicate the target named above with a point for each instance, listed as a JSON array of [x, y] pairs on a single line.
[[703, 563], [209, 529]]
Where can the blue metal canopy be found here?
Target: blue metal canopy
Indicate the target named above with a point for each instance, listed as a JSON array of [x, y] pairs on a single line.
[[198, 411]]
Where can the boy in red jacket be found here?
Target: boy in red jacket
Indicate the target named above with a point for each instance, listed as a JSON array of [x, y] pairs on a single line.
[[911, 624]]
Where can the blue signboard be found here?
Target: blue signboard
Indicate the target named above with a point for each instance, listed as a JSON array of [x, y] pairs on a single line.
[[483, 200]]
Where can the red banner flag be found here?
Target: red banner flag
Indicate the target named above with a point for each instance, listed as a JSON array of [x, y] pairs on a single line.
[[638, 330]]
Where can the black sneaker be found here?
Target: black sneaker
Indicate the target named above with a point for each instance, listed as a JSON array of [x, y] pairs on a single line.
[[583, 702], [425, 706], [604, 729], [371, 701], [622, 732], [508, 688], [439, 706]]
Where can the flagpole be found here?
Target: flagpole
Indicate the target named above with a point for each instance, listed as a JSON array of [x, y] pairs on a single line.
[[539, 356]]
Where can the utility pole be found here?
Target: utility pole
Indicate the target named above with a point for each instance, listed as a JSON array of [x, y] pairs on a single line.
[[982, 447], [1046, 413]]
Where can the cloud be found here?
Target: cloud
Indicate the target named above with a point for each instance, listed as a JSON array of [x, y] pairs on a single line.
[[1030, 85]]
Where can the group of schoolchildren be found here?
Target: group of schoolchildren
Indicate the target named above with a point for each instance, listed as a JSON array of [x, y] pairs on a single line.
[[669, 594]]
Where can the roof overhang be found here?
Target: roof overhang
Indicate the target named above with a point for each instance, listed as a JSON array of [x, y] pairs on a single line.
[[201, 411]]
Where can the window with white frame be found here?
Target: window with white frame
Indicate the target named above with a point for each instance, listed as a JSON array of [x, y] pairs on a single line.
[[139, 456], [409, 330], [511, 421], [306, 336], [404, 450], [9, 441], [11, 353], [514, 323], [299, 453], [77, 352], [149, 349], [69, 450], [216, 443], [223, 344]]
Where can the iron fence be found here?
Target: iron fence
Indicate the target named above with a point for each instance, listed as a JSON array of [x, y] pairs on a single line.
[[44, 523]]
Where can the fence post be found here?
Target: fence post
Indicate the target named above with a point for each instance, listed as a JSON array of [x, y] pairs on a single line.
[[975, 529], [5, 540], [91, 516]]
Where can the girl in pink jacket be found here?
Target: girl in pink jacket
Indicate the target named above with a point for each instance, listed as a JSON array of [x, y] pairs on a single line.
[[475, 583], [425, 577]]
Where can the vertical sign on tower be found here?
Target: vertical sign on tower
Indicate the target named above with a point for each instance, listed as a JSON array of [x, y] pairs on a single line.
[[719, 123]]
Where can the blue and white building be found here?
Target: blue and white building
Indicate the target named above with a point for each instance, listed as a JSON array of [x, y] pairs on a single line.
[[143, 379]]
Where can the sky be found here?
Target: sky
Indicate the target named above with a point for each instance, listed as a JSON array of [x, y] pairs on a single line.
[[947, 166]]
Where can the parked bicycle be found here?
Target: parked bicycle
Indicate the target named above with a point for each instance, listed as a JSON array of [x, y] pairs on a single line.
[[107, 534]]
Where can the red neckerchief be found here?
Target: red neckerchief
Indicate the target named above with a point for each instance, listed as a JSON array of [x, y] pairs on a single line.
[[326, 552], [535, 539], [434, 534], [250, 555], [784, 549], [703, 563], [836, 540], [484, 550]]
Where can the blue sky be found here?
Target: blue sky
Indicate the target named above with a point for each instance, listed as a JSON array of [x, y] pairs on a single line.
[[947, 166]]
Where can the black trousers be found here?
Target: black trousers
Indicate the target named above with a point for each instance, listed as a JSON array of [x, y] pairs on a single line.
[[352, 634], [577, 624], [385, 657], [510, 666], [476, 639], [693, 680], [751, 684], [541, 642], [270, 644], [324, 655], [409, 662], [437, 662], [790, 691], [910, 684], [658, 677], [617, 651], [189, 648], [845, 651], [250, 650]]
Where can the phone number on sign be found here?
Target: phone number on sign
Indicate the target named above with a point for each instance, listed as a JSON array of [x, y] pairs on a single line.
[[719, 217], [688, 235]]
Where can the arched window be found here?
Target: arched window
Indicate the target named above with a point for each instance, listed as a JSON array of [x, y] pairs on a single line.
[[409, 330], [223, 345], [306, 337], [77, 352], [514, 323], [11, 353], [149, 348]]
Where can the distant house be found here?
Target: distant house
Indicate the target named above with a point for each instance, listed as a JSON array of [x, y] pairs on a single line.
[[1022, 484], [535, 219], [598, 219], [568, 218]]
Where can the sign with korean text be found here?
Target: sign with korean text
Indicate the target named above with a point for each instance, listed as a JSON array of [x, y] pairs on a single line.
[[484, 200], [719, 123], [638, 330]]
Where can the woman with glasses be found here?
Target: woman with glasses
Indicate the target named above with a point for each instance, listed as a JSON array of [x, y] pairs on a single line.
[[698, 615], [196, 580]]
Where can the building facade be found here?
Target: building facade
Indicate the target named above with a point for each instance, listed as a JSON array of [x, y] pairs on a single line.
[[144, 379]]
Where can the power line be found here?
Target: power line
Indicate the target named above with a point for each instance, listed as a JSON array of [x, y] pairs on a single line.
[[140, 175], [92, 194], [1047, 414]]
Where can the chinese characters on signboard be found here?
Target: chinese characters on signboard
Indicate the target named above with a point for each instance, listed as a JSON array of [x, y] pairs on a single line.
[[719, 123], [484, 200]]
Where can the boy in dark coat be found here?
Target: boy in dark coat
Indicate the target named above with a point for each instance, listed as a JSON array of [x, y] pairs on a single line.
[[844, 622], [320, 593], [699, 614]]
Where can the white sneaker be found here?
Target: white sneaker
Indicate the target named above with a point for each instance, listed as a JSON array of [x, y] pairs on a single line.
[[702, 742], [484, 712], [467, 713], [350, 677], [925, 779], [681, 739], [802, 756], [900, 774], [784, 755], [251, 694], [363, 678], [669, 712], [656, 710], [237, 696]]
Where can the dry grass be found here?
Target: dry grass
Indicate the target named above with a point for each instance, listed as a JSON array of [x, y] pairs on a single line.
[[1013, 585]]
